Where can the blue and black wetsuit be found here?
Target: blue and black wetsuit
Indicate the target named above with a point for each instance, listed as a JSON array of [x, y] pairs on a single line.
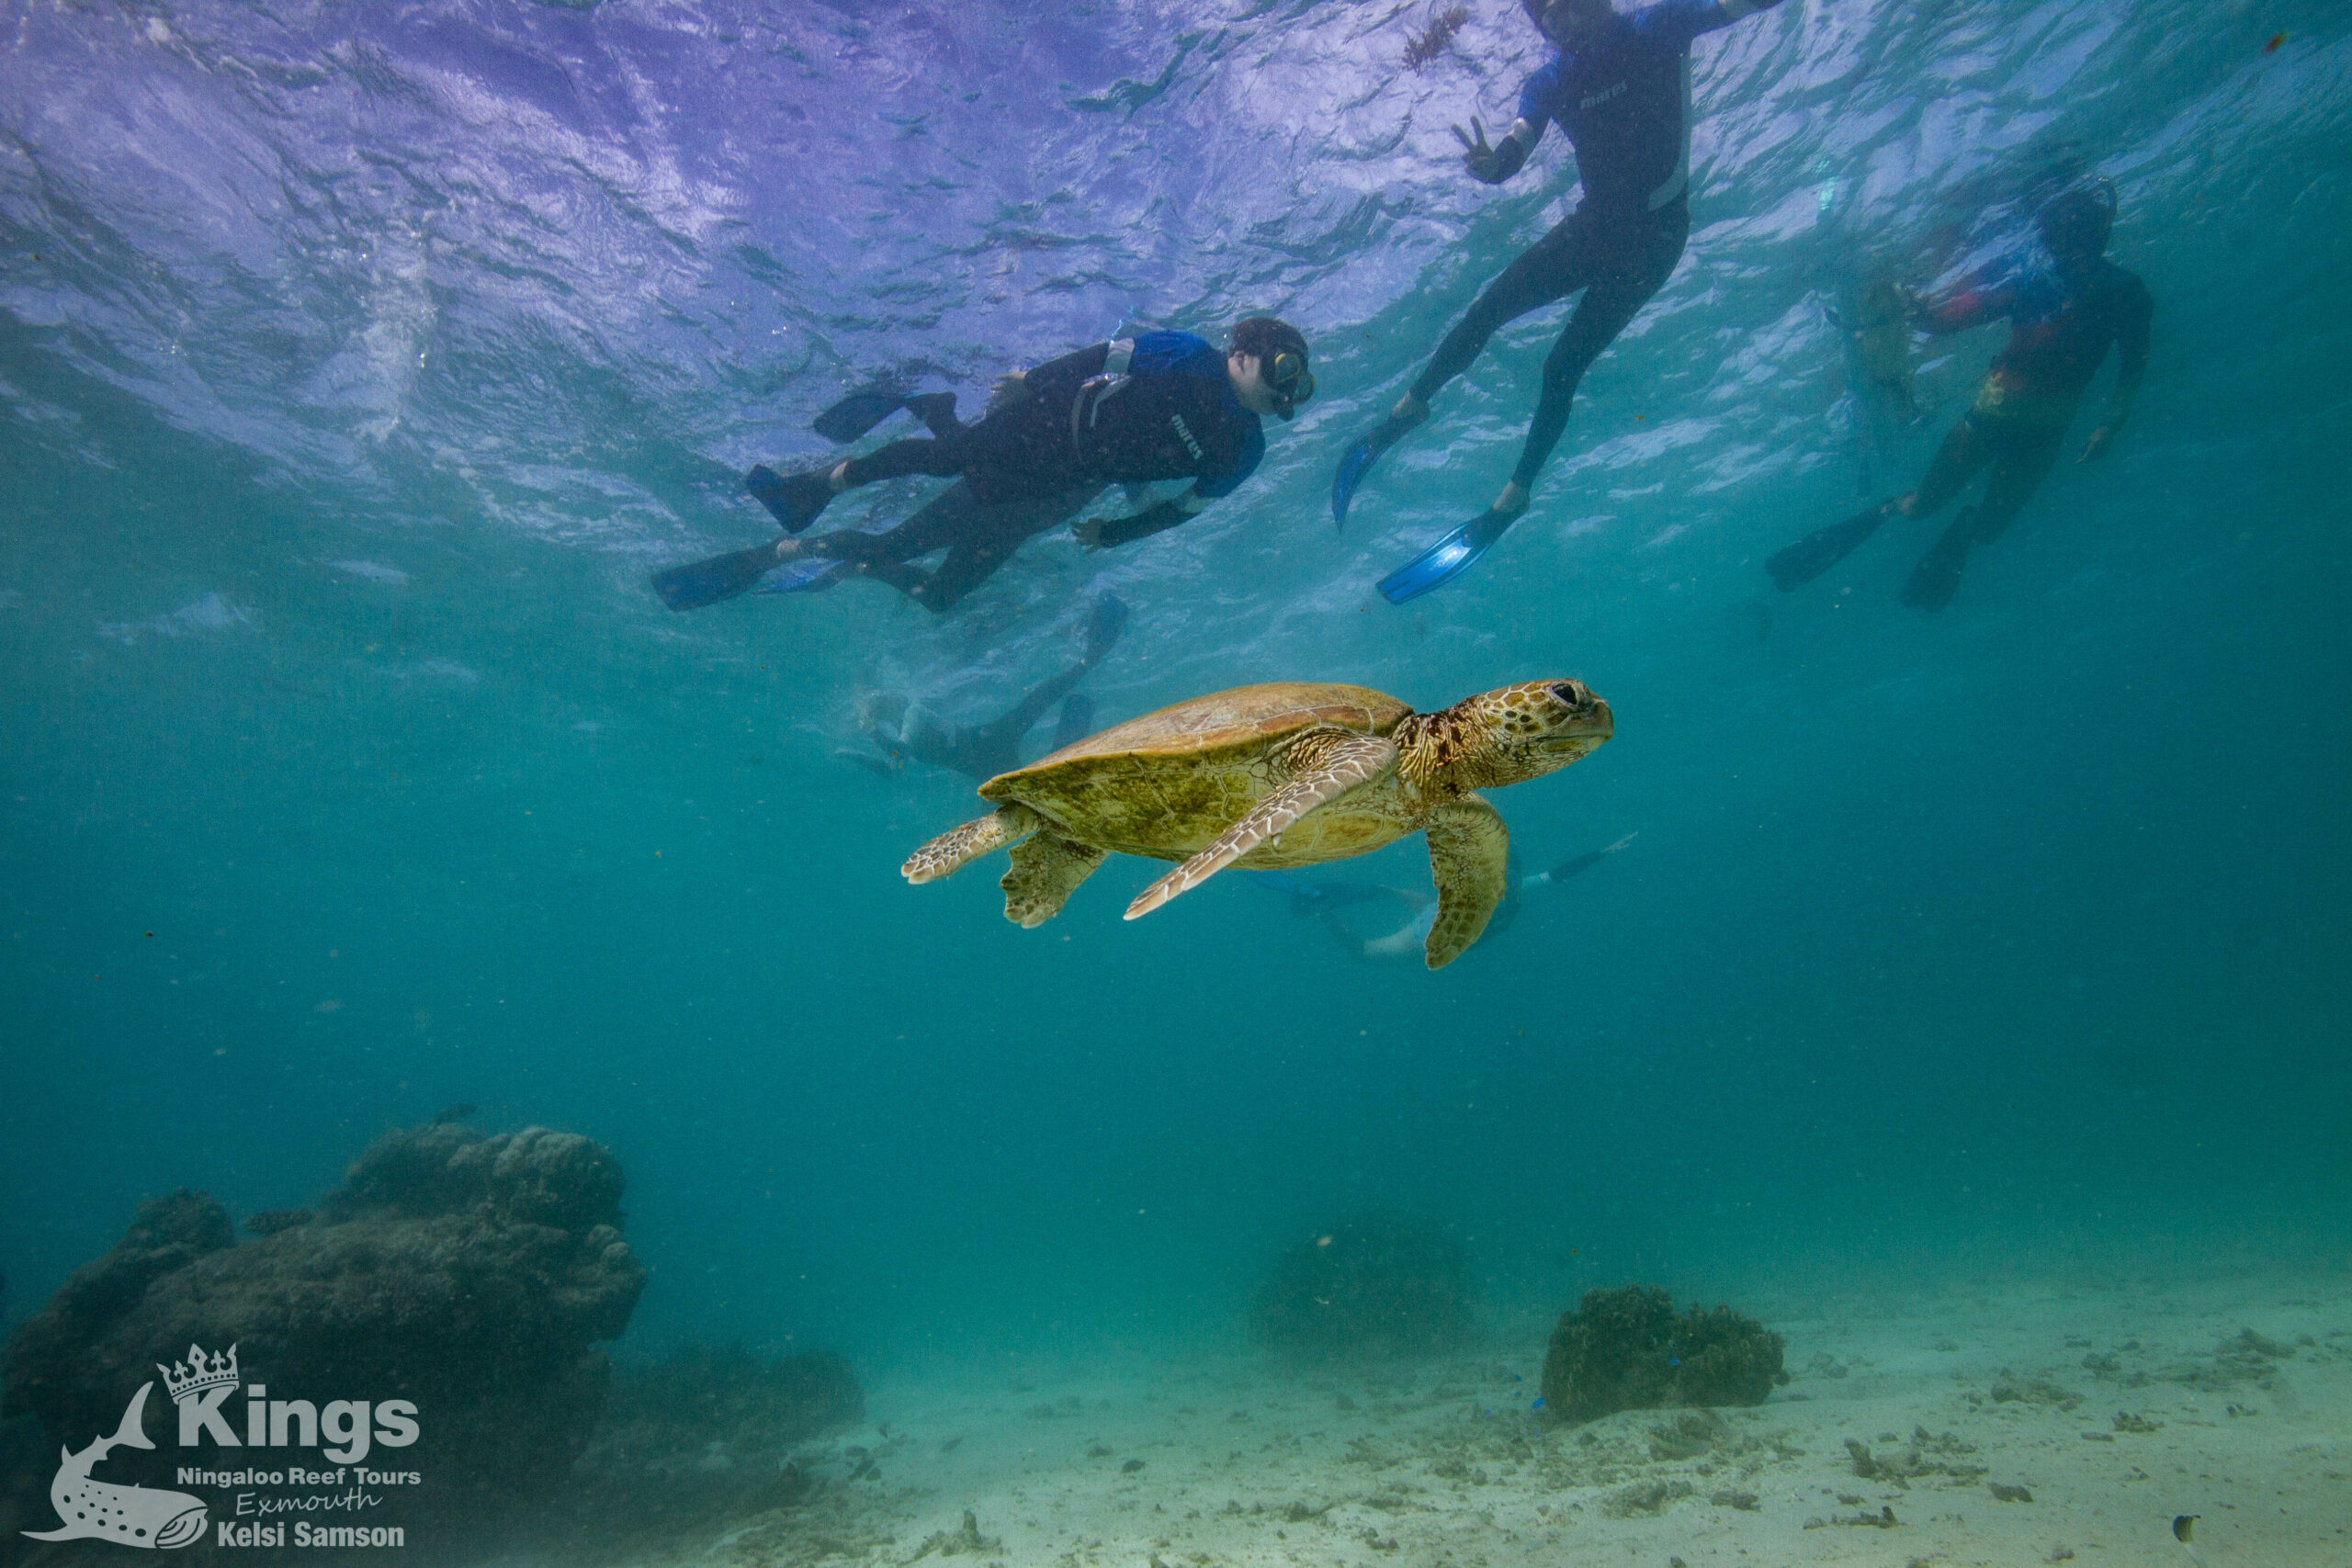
[[1157, 406], [1163, 410], [1624, 104]]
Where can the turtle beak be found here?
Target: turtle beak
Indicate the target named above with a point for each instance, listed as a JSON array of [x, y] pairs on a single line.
[[1588, 724]]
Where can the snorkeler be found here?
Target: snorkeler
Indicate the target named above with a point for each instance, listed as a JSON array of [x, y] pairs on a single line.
[[1166, 405], [2064, 314], [1620, 87], [1327, 900], [906, 733]]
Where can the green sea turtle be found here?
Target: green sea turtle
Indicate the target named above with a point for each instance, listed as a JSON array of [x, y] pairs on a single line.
[[1291, 773]]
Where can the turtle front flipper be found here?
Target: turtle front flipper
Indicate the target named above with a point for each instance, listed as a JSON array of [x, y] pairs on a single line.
[[1345, 766], [1046, 871], [1469, 856], [1006, 825]]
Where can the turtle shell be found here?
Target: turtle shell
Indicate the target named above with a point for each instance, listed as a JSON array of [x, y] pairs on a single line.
[[1166, 783]]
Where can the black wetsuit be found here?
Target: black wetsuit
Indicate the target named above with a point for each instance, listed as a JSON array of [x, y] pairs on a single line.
[[1075, 424], [1624, 104]]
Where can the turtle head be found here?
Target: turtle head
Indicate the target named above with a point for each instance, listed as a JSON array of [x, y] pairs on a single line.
[[1510, 734]]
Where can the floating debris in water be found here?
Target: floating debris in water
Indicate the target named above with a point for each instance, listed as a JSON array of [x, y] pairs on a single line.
[[373, 570], [213, 612], [1422, 47]]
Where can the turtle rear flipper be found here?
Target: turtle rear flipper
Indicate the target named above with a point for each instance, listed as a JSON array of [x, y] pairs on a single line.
[[1469, 856], [951, 850], [1345, 766], [1046, 871]]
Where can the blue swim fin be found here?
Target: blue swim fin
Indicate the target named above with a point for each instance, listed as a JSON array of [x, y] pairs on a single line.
[[1446, 559], [705, 582], [808, 576], [860, 411], [1359, 459]]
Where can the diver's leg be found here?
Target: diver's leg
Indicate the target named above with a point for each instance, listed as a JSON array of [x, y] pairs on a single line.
[[939, 522], [991, 536], [2018, 472], [1022, 716], [1077, 721], [1964, 451], [1621, 284], [2019, 468], [1549, 270], [943, 455]]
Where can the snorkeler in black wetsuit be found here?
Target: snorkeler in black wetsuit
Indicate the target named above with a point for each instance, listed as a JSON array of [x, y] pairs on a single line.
[[2064, 314], [1620, 87], [906, 733], [1162, 406]]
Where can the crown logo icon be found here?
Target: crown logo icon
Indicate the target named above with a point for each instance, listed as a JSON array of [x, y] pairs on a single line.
[[185, 1380]]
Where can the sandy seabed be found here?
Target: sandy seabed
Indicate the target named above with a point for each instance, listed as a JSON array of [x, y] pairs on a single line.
[[2028, 1425]]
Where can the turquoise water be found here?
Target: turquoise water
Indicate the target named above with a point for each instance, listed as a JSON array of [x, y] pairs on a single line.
[[358, 367]]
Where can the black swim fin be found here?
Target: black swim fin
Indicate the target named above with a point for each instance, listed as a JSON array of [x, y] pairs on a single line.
[[793, 500], [708, 582], [860, 411], [1823, 547], [1448, 559]]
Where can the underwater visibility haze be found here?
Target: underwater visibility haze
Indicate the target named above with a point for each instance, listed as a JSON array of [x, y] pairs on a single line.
[[359, 366]]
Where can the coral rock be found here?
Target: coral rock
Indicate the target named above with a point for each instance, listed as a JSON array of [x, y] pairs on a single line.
[[1625, 1349]]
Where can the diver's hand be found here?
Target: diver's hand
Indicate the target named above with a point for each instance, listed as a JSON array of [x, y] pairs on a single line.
[[1009, 388], [1485, 163], [1088, 531], [2096, 447]]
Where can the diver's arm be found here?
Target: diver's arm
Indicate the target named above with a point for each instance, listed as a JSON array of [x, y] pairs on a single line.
[[1493, 164], [1676, 22], [1109, 533], [2132, 363]]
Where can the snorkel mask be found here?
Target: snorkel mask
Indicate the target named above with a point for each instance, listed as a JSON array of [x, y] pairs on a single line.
[[1290, 380], [2078, 222]]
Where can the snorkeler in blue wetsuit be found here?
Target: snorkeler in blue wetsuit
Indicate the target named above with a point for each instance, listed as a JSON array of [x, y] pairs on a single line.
[[1620, 87], [1166, 405], [2067, 307]]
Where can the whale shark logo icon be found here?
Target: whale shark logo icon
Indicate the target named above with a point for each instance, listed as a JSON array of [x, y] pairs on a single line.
[[130, 1515]]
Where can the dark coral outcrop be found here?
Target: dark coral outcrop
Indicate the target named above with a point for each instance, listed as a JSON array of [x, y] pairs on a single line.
[[1626, 1349], [472, 1276]]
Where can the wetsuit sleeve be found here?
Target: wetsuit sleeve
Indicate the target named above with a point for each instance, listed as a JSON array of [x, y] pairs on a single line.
[[1970, 307], [1537, 99], [1117, 531], [1674, 23], [1540, 95], [2134, 311], [1212, 487]]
